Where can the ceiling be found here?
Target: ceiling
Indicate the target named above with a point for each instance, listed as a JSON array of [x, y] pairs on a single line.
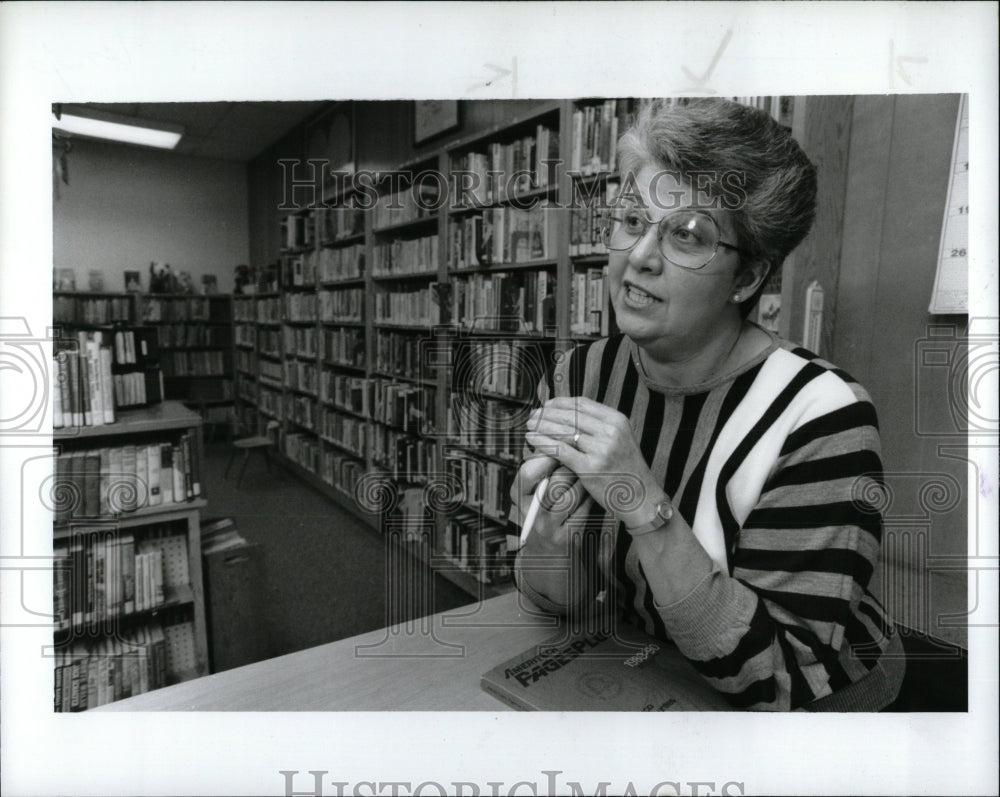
[[232, 131]]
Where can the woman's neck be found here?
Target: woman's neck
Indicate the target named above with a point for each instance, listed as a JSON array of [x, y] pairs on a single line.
[[693, 365]]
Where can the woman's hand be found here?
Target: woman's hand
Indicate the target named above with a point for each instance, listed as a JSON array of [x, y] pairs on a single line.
[[597, 443], [564, 498]]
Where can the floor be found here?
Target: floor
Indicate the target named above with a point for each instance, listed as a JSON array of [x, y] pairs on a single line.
[[324, 574]]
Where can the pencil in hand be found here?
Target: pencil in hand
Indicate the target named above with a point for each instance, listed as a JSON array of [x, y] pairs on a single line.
[[536, 504]]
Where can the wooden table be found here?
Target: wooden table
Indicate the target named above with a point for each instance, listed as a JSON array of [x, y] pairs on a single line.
[[432, 664]]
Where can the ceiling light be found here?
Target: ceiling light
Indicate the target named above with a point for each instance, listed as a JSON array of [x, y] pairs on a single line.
[[99, 124]]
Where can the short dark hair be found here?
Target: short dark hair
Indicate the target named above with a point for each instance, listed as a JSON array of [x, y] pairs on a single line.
[[720, 137]]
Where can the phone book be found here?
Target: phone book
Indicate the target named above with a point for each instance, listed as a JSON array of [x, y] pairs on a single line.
[[602, 671]]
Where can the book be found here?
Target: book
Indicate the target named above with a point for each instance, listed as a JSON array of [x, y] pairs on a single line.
[[57, 410], [598, 671]]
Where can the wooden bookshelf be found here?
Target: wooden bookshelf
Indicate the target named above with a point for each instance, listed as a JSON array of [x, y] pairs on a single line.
[[114, 636]]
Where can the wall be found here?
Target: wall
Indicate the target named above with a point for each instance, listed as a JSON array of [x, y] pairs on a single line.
[[126, 206], [895, 188]]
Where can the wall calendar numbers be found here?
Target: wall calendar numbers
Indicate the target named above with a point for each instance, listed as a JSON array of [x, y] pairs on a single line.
[[951, 283]]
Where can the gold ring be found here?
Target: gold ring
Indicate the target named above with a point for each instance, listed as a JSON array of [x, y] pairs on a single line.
[[576, 439]]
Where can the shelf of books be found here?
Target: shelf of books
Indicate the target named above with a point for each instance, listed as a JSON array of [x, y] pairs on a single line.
[[405, 342], [127, 584], [195, 339]]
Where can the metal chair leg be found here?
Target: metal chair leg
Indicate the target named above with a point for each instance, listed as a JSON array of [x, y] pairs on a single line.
[[243, 467], [229, 464]]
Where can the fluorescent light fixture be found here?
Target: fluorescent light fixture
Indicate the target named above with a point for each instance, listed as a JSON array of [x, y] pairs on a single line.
[[99, 124]]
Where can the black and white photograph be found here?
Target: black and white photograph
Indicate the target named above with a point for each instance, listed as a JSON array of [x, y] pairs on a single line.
[[395, 418]]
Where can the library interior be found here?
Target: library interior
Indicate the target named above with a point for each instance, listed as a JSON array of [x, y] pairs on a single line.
[[298, 350]]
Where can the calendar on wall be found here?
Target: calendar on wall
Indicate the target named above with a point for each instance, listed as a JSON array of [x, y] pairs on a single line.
[[951, 283]]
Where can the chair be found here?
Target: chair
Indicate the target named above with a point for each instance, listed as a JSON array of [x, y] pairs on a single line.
[[247, 445]]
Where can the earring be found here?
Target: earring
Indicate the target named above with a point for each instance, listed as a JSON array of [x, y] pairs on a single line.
[[737, 297]]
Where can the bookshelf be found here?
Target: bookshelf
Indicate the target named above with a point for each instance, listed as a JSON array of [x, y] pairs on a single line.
[[127, 584], [408, 339], [195, 338]]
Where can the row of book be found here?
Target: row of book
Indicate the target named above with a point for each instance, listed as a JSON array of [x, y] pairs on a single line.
[[195, 363], [344, 305], [268, 310], [138, 388], [590, 307], [301, 410], [187, 308], [246, 389], [341, 222], [588, 214], [346, 392], [341, 470], [244, 334], [344, 263], [117, 480], [346, 431], [488, 427], [300, 307], [594, 135], [419, 201], [301, 375], [401, 354], [503, 235], [245, 361], [298, 271], [486, 485], [266, 369], [301, 449], [402, 455], [269, 341], [406, 406], [414, 256], [508, 301], [90, 674], [477, 547], [244, 308], [344, 346], [413, 307], [269, 401], [298, 231], [506, 170], [103, 575], [83, 390], [300, 341], [87, 310], [193, 335], [512, 368]]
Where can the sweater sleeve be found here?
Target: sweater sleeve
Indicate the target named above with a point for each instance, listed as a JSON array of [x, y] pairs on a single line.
[[776, 631]]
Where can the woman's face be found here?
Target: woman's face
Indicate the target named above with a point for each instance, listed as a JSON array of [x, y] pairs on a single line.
[[657, 302]]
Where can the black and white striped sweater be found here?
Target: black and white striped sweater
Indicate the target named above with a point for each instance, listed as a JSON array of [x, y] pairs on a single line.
[[774, 468]]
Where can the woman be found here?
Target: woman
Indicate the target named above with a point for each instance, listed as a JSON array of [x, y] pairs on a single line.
[[722, 472]]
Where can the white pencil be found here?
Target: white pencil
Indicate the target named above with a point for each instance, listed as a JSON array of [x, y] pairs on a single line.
[[536, 504]]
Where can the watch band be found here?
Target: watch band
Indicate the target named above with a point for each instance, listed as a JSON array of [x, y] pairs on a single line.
[[662, 515]]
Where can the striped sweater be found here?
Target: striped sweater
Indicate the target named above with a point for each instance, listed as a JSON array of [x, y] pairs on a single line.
[[773, 467]]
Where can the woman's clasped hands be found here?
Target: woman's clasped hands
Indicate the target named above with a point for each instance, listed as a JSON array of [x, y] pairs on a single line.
[[597, 444]]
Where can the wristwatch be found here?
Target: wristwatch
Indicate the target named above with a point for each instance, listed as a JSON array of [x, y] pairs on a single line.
[[664, 511]]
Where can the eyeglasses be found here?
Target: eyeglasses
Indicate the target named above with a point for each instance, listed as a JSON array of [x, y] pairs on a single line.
[[686, 238]]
